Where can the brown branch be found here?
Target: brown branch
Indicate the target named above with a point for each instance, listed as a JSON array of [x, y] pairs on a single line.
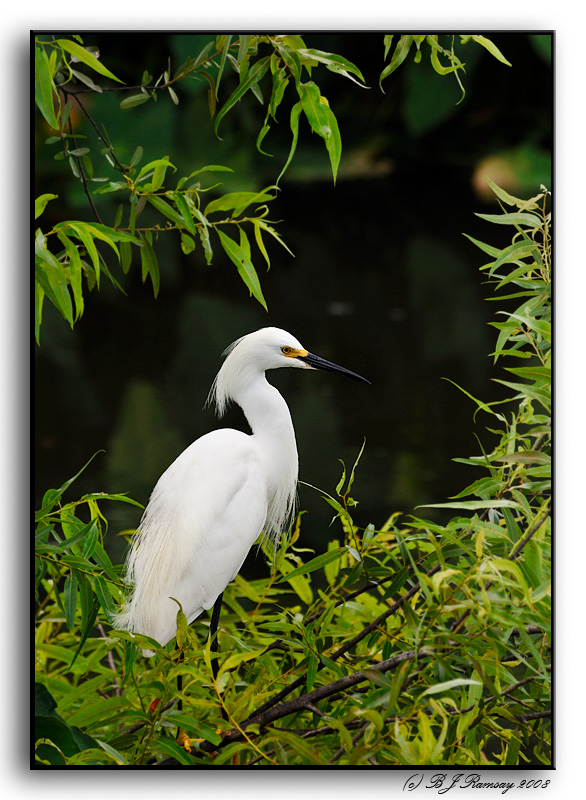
[[300, 703], [342, 650], [82, 174]]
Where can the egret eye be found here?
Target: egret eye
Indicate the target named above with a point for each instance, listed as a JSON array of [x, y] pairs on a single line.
[[286, 351]]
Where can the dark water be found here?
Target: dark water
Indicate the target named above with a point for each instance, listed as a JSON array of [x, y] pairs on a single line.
[[382, 282]]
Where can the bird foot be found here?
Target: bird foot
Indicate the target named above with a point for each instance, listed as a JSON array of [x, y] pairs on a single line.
[[183, 740]]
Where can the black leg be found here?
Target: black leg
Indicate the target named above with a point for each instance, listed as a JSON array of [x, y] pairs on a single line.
[[180, 681], [214, 637], [214, 632]]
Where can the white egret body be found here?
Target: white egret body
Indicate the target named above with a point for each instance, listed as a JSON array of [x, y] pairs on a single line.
[[211, 504]]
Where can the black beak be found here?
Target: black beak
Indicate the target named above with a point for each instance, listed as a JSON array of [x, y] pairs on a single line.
[[320, 363]]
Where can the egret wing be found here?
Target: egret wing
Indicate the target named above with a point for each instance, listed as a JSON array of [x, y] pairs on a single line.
[[204, 515]]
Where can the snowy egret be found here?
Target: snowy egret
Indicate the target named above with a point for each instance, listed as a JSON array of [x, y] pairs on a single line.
[[209, 507]]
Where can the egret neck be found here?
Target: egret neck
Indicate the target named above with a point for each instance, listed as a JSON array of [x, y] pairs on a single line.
[[272, 428]]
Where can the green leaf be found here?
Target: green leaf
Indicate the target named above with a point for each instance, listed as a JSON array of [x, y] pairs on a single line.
[[149, 263], [86, 57], [316, 563], [186, 215], [291, 59], [41, 202], [238, 201], [245, 268], [45, 88], [491, 47], [322, 121], [75, 272], [255, 74], [234, 659], [294, 124], [164, 207], [269, 229], [158, 167], [473, 505], [39, 297], [70, 600], [51, 275], [335, 63], [447, 685], [515, 218], [223, 44], [399, 55], [134, 100]]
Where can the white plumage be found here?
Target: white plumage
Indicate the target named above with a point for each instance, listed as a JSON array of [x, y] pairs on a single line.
[[209, 507]]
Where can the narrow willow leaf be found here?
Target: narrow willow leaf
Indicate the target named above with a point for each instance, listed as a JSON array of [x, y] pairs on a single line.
[[103, 595], [516, 218], [259, 241], [486, 248], [473, 505], [39, 297], [160, 164], [166, 209], [238, 201], [264, 130], [86, 57], [83, 233], [491, 47], [86, 80], [255, 74], [291, 59], [313, 108], [149, 263], [70, 600], [440, 68], [91, 618], [223, 44], [134, 100], [45, 88], [245, 268], [322, 121], [204, 234], [54, 284], [269, 229], [294, 123], [183, 209], [335, 63], [235, 659], [447, 685], [280, 83], [244, 40], [41, 202], [316, 563], [399, 55], [137, 156], [75, 275], [334, 141]]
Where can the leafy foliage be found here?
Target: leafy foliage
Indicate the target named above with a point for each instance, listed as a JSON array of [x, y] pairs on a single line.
[[453, 64], [406, 643], [70, 254]]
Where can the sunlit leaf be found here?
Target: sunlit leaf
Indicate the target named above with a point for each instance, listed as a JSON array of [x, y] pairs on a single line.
[[86, 57]]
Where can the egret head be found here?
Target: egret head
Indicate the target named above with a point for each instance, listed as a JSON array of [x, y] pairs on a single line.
[[252, 355]]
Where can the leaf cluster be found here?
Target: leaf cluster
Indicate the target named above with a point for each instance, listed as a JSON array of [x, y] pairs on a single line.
[[412, 43], [69, 256]]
